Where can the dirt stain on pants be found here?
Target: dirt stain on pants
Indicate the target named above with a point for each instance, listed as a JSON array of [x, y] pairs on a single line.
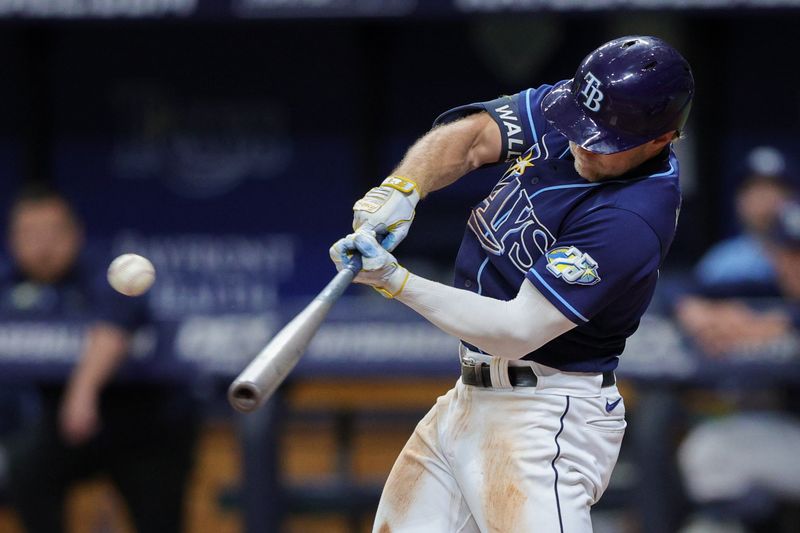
[[503, 497], [401, 486]]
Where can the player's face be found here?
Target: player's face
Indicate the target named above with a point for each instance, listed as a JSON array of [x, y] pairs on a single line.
[[44, 238], [597, 167], [758, 205]]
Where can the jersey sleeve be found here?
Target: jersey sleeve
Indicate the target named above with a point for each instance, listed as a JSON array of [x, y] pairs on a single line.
[[603, 256], [518, 116]]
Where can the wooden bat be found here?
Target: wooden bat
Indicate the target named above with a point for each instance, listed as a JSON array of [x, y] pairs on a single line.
[[270, 367]]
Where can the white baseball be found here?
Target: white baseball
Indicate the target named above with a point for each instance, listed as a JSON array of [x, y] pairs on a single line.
[[131, 274]]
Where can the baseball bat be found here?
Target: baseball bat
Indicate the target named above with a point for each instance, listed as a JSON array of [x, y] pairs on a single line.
[[275, 361]]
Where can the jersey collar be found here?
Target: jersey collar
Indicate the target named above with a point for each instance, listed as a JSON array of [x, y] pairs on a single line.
[[656, 164]]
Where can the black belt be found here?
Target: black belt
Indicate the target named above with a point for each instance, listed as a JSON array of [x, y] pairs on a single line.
[[479, 375]]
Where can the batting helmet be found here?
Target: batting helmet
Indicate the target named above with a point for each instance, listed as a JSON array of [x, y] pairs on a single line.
[[626, 93]]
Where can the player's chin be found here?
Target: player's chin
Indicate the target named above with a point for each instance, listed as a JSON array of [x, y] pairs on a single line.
[[587, 172]]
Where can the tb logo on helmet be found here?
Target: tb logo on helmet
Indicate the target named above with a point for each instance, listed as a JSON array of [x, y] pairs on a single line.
[[592, 92]]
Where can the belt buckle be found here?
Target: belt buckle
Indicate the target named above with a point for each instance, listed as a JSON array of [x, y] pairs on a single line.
[[474, 368]]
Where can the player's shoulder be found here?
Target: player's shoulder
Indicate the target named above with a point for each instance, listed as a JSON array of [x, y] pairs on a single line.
[[89, 275], [518, 106], [91, 263], [518, 117], [646, 201], [654, 197], [652, 187]]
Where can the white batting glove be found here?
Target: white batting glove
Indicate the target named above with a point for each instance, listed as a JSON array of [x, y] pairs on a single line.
[[379, 268], [388, 209]]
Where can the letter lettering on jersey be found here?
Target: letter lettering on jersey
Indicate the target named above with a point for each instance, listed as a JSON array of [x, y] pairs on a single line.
[[511, 143], [506, 113], [536, 235], [592, 92], [513, 129], [505, 221]]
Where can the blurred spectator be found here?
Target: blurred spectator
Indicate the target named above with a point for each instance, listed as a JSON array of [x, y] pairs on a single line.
[[747, 461], [740, 264], [744, 266], [140, 435]]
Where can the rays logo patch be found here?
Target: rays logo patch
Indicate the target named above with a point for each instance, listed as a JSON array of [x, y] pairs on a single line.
[[572, 265], [519, 166]]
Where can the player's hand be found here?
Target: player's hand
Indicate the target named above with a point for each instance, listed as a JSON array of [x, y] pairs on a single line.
[[79, 418], [387, 210], [379, 270]]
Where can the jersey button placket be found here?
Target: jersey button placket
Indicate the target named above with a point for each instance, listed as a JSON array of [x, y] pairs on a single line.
[[468, 284]]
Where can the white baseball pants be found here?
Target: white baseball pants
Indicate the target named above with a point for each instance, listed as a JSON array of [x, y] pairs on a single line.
[[527, 459]]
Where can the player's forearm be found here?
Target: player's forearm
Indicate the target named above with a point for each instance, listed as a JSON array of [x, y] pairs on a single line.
[[105, 348], [446, 153], [768, 326], [509, 329]]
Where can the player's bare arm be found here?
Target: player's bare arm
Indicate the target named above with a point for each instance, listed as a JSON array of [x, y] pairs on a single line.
[[104, 350], [436, 160], [448, 152]]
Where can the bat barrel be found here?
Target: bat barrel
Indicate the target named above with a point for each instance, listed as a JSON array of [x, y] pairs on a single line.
[[273, 364]]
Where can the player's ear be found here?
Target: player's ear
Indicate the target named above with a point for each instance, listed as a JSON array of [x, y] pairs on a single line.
[[665, 138]]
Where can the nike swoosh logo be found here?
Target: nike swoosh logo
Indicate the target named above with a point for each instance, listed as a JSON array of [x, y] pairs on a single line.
[[610, 406]]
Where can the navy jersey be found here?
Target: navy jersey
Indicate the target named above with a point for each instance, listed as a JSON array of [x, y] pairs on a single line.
[[84, 294], [593, 249]]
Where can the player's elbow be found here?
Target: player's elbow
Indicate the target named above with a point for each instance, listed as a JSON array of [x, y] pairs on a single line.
[[525, 336], [485, 147], [516, 345], [476, 158], [473, 141]]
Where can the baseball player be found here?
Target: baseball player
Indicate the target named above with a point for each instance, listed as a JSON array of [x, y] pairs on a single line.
[[556, 267]]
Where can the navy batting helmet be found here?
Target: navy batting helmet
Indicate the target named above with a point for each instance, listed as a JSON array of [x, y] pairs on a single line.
[[626, 93]]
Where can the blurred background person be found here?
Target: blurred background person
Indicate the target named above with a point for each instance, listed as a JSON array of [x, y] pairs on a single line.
[[741, 468], [740, 265], [140, 435]]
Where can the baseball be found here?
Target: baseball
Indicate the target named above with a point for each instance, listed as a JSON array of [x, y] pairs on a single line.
[[131, 274]]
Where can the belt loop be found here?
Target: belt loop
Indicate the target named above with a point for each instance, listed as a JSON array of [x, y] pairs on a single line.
[[478, 374], [498, 370]]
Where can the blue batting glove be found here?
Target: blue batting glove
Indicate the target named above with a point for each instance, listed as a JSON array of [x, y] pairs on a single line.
[[379, 268]]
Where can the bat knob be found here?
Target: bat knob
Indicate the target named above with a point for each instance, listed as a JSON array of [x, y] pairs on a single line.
[[244, 397]]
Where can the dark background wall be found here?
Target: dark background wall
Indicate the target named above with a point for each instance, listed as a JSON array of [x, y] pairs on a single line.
[[234, 126]]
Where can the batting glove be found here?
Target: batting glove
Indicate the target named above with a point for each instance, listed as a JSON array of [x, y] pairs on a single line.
[[379, 270], [387, 210]]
